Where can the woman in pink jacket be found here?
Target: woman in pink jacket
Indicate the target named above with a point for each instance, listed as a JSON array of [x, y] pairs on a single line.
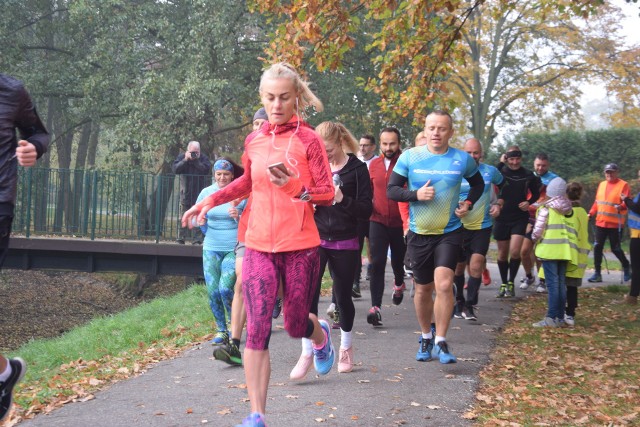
[[287, 172]]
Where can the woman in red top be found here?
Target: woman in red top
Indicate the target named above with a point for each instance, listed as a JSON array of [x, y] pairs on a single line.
[[282, 239]]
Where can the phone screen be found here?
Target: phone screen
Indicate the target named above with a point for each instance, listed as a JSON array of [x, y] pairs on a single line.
[[280, 166]]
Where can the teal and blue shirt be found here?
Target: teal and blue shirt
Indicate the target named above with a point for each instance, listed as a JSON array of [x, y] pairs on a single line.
[[221, 231], [446, 172], [479, 218], [547, 177]]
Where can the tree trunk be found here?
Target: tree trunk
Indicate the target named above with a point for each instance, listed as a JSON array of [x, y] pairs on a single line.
[[41, 180], [160, 199], [93, 144]]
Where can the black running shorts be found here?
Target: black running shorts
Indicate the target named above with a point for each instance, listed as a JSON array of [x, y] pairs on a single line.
[[504, 230], [430, 251]]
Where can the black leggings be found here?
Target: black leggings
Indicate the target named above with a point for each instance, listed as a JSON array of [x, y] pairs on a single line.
[[572, 300], [341, 263], [613, 234], [5, 232], [634, 247], [380, 238]]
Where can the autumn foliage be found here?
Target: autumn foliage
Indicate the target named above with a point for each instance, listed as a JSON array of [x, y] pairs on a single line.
[[414, 45]]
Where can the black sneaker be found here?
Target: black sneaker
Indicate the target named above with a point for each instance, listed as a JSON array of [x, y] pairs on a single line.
[[355, 291], [18, 369], [468, 313], [180, 241], [277, 308], [374, 317], [458, 310], [398, 294], [336, 319], [229, 354]]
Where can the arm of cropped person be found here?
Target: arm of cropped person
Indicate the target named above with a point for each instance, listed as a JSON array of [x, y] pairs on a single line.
[[541, 223]]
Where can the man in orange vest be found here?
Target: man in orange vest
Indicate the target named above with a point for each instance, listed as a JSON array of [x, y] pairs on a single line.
[[610, 211]]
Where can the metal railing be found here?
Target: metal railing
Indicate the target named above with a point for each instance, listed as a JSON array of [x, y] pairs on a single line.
[[98, 204]]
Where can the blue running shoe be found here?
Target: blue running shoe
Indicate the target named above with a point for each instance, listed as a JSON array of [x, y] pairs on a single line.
[[255, 419], [323, 359], [442, 350], [220, 338], [424, 351], [627, 274]]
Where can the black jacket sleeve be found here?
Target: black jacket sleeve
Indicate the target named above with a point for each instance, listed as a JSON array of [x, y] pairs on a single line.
[[362, 204], [178, 164], [631, 205], [534, 188], [396, 189], [202, 165], [199, 166], [476, 183], [29, 124]]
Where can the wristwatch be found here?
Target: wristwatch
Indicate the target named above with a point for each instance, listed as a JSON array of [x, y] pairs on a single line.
[[305, 196]]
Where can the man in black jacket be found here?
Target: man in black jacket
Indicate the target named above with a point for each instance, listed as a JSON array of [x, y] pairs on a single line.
[[16, 111], [194, 169]]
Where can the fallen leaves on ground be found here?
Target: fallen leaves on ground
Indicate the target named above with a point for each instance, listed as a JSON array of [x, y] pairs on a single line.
[[77, 380], [586, 375]]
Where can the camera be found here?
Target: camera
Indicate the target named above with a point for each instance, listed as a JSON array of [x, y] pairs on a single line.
[[194, 154]]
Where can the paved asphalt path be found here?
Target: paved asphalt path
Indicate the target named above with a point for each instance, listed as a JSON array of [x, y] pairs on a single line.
[[387, 387]]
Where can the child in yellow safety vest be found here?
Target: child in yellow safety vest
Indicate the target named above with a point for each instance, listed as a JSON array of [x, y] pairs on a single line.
[[551, 233]]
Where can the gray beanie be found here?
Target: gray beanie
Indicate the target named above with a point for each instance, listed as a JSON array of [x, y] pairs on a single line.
[[260, 114], [557, 187]]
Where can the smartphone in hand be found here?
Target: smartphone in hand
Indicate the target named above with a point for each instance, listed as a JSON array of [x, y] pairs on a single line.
[[280, 166]]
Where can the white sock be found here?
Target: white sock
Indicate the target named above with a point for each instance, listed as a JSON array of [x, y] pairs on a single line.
[[307, 348], [440, 339], [345, 339], [427, 336], [7, 372]]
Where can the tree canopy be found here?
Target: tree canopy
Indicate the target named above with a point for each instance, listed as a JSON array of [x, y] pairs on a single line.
[[132, 82]]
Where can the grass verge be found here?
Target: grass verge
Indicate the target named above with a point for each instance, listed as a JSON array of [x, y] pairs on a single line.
[[586, 375], [108, 349]]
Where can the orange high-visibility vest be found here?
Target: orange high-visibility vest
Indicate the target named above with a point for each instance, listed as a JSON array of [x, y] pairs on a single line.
[[606, 202]]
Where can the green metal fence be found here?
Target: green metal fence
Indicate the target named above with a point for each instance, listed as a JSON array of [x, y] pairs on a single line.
[[97, 204]]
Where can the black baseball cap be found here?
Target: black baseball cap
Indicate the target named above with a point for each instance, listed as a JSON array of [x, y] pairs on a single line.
[[611, 167]]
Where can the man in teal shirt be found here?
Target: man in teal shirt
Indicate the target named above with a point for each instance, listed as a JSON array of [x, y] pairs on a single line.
[[433, 174]]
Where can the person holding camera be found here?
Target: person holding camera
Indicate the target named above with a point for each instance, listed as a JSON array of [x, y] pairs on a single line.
[[194, 169]]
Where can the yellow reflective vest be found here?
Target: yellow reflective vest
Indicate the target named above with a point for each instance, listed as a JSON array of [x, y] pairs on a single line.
[[555, 243], [576, 224], [578, 227]]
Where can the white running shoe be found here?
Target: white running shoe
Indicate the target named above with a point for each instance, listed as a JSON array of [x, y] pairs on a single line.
[[526, 282], [331, 310], [302, 367]]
